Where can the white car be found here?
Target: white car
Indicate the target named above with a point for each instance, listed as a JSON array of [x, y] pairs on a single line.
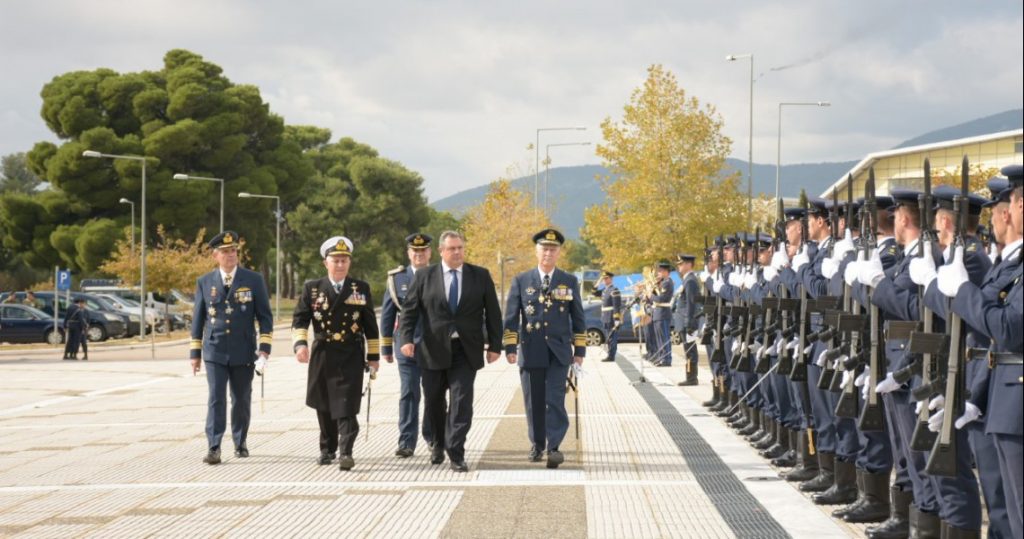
[[132, 307]]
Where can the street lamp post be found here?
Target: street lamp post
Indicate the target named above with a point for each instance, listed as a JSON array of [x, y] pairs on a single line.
[[536, 148], [187, 177], [750, 148], [501, 264], [126, 201], [547, 162], [778, 136], [142, 242], [277, 279]]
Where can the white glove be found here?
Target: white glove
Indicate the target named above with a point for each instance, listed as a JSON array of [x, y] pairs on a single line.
[[261, 365], [870, 273], [918, 407], [971, 413], [846, 378], [770, 273], [735, 346], [935, 421], [864, 390], [993, 252], [781, 258], [922, 269], [888, 385], [852, 269], [843, 246], [578, 371], [937, 403], [801, 259], [953, 275], [749, 280], [779, 345], [759, 351], [793, 344], [693, 337], [703, 275], [716, 285], [820, 361], [829, 267], [735, 278], [861, 379]]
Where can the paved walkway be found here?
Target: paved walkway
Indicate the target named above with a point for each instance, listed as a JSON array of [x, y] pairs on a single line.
[[113, 448]]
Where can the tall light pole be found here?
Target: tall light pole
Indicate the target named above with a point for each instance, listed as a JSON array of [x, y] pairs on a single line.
[[750, 148], [501, 264], [536, 148], [187, 177], [778, 137], [547, 161], [126, 201], [142, 242], [277, 280]]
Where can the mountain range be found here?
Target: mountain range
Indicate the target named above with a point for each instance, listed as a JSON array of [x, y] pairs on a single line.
[[572, 189]]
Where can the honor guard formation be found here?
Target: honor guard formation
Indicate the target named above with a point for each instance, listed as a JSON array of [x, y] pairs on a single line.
[[870, 347]]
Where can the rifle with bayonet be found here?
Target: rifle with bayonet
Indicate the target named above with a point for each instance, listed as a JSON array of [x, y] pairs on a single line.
[[872, 415], [853, 326], [799, 370], [942, 459], [830, 306], [718, 355], [743, 309]]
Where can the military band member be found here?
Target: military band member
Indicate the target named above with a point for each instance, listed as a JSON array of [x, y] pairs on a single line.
[[544, 317], [611, 313], [344, 345], [686, 307], [229, 298], [661, 317], [398, 282]]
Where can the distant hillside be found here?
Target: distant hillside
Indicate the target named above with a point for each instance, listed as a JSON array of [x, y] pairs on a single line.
[[1004, 121]]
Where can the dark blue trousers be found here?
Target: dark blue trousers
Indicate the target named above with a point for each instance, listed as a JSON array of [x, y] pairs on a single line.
[[409, 404], [613, 340], [1010, 449], [544, 394], [219, 378], [987, 460]]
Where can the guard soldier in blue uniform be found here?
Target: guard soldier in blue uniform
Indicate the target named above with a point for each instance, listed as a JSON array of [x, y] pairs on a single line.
[[398, 282], [345, 345], [611, 313], [686, 309], [229, 302], [661, 318], [76, 326], [998, 314], [544, 316]]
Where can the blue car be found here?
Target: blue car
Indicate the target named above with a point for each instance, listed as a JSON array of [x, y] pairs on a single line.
[[25, 324]]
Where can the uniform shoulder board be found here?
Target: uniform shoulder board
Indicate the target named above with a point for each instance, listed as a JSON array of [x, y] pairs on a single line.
[[615, 292], [971, 247], [399, 269]]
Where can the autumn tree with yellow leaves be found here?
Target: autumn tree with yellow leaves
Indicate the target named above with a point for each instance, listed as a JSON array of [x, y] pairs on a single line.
[[666, 191], [502, 227]]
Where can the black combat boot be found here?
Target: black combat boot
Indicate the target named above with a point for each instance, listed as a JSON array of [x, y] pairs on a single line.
[[780, 446], [788, 459], [714, 397], [924, 525], [844, 490], [725, 408], [861, 493], [898, 524], [875, 504], [740, 419], [773, 435], [807, 465], [754, 423], [949, 531], [762, 427], [826, 474]]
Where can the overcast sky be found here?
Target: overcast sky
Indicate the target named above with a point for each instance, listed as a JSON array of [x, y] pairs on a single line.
[[455, 90]]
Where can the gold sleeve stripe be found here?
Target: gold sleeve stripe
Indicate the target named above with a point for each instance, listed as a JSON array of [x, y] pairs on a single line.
[[387, 341], [299, 335], [196, 344], [372, 344], [510, 340], [266, 339]]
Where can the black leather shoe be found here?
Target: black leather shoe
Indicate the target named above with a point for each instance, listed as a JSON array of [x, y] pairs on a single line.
[[403, 452], [325, 458], [242, 452], [688, 382], [662, 364], [437, 454], [535, 455], [212, 456], [459, 466], [345, 463], [608, 359], [555, 458]]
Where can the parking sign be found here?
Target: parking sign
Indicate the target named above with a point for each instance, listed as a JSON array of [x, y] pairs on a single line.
[[64, 280]]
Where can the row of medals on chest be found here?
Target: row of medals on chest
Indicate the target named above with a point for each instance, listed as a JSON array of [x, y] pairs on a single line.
[[321, 306], [243, 297], [561, 294]]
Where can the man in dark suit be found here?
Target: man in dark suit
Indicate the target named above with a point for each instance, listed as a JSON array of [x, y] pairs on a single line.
[[454, 302], [344, 346], [229, 294], [544, 316], [76, 322]]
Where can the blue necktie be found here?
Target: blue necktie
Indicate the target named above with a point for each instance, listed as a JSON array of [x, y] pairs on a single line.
[[453, 292]]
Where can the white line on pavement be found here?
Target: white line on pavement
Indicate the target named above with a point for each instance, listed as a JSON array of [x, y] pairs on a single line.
[[94, 393]]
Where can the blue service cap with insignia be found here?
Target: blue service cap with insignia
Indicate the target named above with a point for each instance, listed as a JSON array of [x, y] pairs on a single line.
[[663, 264], [337, 245], [1014, 174], [904, 197], [793, 214], [764, 241], [549, 236], [817, 206], [683, 257], [999, 191], [225, 240], [418, 240], [607, 274], [944, 195], [884, 202]]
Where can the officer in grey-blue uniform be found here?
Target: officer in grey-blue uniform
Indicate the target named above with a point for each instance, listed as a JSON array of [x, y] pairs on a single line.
[[229, 302], [686, 310], [999, 314], [611, 313], [661, 318], [544, 319], [398, 282]]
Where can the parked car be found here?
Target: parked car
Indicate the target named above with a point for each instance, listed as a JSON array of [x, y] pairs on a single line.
[[103, 323], [596, 334], [25, 324], [133, 307], [177, 303]]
